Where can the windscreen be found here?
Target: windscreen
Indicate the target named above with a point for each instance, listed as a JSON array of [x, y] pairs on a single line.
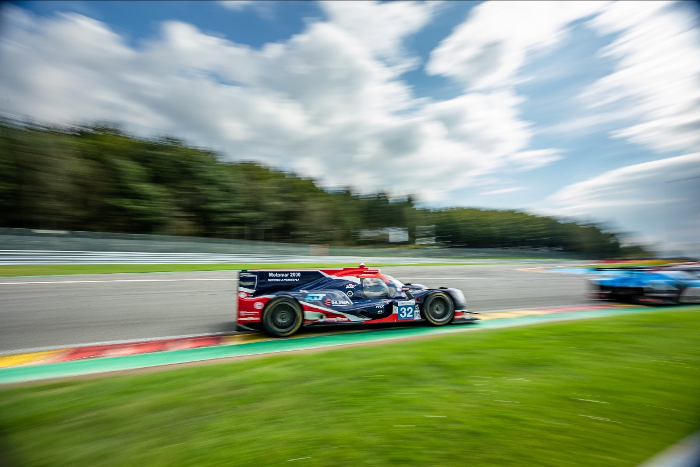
[[376, 287]]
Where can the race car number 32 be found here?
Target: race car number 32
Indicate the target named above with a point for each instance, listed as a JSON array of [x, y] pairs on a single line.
[[406, 310]]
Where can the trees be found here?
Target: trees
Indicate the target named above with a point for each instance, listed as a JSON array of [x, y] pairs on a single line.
[[99, 178], [476, 228]]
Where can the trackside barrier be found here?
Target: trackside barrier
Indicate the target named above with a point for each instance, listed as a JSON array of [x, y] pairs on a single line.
[[64, 240]]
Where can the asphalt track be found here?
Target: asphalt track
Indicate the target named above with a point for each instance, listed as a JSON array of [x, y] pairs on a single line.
[[58, 311]]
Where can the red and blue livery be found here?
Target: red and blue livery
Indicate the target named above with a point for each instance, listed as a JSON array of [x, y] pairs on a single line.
[[280, 302]]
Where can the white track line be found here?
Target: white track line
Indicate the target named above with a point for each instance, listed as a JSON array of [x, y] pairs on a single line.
[[115, 280]]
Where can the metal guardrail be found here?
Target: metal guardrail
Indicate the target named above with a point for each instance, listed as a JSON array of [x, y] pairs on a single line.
[[36, 257], [52, 240]]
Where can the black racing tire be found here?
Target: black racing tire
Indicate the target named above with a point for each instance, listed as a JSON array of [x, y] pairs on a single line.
[[282, 317], [438, 309], [678, 299]]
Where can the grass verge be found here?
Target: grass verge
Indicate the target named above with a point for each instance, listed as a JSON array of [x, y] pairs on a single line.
[[604, 392], [68, 269]]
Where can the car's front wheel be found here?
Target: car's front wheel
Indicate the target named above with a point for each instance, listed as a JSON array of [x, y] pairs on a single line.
[[438, 309], [282, 317]]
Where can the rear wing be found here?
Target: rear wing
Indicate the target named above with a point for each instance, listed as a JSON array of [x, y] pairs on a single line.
[[269, 281]]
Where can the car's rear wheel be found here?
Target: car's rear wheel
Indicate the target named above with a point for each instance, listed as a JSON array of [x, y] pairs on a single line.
[[438, 309], [282, 317]]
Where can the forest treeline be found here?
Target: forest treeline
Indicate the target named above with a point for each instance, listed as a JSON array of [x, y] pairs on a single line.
[[98, 178]]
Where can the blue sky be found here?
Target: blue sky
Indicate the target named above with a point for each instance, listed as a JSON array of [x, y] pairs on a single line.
[[588, 110]]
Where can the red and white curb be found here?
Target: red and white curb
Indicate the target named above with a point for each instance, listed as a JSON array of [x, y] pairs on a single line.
[[42, 357]]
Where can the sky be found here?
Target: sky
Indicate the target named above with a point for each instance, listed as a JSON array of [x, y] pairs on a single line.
[[584, 110]]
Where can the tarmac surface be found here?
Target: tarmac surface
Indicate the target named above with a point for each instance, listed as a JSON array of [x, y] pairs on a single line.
[[55, 311]]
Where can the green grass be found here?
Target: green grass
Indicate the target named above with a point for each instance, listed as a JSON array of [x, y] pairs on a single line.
[[603, 392], [68, 269]]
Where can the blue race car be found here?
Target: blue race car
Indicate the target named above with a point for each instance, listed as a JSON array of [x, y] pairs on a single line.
[[663, 285], [282, 301]]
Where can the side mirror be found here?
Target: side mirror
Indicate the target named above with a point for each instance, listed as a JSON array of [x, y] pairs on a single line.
[[407, 290]]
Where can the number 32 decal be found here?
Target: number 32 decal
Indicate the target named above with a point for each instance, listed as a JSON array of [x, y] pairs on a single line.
[[407, 312]]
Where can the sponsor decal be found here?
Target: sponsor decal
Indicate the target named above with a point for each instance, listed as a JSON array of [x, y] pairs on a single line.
[[242, 294], [249, 313], [335, 320], [284, 276], [258, 305], [329, 302], [349, 293], [315, 297], [350, 286]]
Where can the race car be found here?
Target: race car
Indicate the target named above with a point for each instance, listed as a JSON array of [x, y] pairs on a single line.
[[282, 301], [661, 285]]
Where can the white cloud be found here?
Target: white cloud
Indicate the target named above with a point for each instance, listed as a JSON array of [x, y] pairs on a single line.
[[626, 185], [502, 191], [321, 103], [264, 9], [585, 124], [528, 160], [489, 48], [659, 198], [236, 4], [657, 77], [382, 27]]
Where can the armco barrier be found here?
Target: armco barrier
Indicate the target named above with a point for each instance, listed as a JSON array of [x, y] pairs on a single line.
[[52, 240]]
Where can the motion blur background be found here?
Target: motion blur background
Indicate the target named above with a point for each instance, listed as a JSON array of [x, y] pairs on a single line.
[[556, 126]]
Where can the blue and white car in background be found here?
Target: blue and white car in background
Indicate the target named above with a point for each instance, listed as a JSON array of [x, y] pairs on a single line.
[[664, 285]]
